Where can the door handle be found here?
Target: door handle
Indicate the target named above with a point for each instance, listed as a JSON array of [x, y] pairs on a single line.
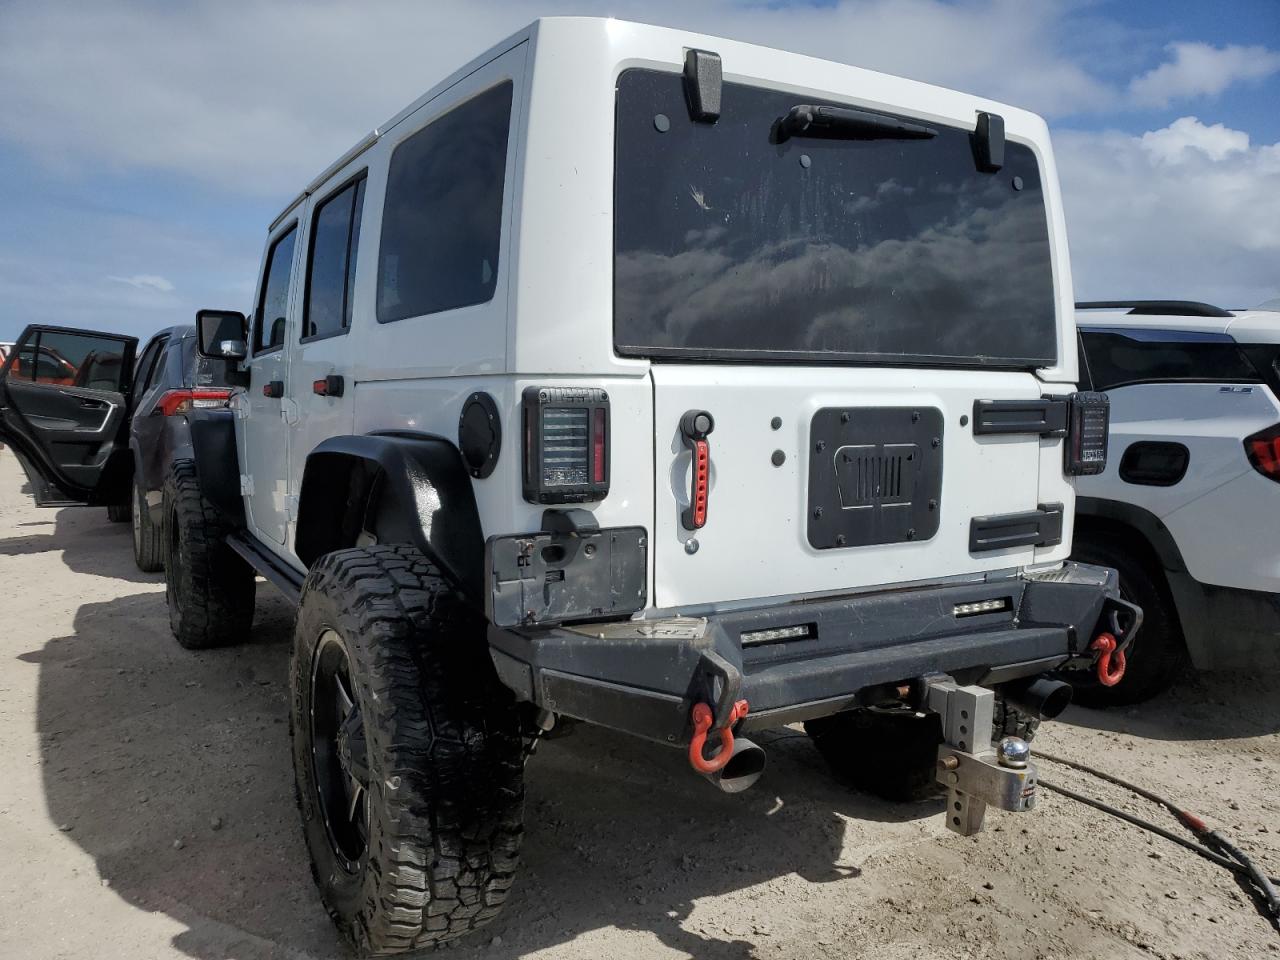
[[92, 404], [330, 386], [695, 426], [273, 389]]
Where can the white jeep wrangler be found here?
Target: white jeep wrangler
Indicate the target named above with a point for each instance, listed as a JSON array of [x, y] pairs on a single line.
[[662, 382]]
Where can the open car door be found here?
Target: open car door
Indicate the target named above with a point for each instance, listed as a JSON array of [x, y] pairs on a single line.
[[63, 411]]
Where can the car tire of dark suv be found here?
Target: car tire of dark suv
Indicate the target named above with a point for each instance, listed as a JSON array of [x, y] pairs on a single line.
[[148, 537], [209, 588], [408, 752]]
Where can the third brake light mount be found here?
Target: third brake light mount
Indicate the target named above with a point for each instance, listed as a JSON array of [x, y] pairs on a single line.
[[846, 123]]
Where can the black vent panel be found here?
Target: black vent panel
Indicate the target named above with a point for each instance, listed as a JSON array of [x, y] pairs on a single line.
[[867, 475], [875, 475]]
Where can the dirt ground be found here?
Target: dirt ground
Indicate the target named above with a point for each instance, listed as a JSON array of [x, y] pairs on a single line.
[[146, 811]]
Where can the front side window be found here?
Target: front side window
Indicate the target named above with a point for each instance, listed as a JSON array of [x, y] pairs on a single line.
[[273, 306], [442, 219], [732, 241], [331, 273]]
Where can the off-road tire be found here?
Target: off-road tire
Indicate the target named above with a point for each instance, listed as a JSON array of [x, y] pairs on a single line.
[[1158, 652], [148, 537], [119, 512], [443, 753], [889, 753], [208, 586]]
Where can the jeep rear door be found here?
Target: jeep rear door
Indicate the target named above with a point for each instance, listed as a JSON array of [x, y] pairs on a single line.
[[837, 306], [64, 409]]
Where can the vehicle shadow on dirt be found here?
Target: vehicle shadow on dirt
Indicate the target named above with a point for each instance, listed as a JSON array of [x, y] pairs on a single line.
[[88, 543], [171, 768], [1207, 706]]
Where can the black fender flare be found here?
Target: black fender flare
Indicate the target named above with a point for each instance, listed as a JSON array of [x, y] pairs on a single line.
[[414, 487], [213, 447]]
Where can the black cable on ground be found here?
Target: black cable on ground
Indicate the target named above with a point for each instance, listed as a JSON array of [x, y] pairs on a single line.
[[1212, 845]]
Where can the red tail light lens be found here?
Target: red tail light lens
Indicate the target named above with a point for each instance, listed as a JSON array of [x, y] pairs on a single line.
[[175, 402], [599, 447], [1263, 449]]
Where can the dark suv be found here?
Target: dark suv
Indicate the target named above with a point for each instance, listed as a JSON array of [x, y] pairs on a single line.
[[171, 382]]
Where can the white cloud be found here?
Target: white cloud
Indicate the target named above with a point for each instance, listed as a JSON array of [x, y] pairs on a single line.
[[146, 281], [1198, 69], [1188, 211], [259, 97]]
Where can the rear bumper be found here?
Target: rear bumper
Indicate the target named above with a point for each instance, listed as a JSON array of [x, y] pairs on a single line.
[[644, 676]]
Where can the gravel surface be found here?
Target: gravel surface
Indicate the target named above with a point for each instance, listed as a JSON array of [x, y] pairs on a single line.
[[146, 810]]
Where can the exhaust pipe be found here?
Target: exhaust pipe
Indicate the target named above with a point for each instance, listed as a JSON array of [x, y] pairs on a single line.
[[743, 769], [1039, 697]]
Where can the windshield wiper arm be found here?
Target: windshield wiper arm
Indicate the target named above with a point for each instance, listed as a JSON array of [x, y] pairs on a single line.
[[844, 123]]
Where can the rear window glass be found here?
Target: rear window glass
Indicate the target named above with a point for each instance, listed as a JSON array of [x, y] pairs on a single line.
[[442, 218], [729, 243], [1116, 360]]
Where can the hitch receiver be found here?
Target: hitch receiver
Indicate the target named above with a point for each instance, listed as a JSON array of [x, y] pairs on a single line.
[[974, 772]]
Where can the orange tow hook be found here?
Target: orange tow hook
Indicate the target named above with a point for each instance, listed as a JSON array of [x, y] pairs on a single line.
[[1111, 662], [702, 718]]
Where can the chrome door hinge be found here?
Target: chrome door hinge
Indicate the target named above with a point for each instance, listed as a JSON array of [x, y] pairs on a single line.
[[246, 485]]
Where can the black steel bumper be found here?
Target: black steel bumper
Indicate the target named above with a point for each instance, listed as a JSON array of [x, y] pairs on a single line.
[[644, 676]]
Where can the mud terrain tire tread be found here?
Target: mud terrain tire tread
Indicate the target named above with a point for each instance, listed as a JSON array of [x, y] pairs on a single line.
[[445, 752], [209, 588], [148, 537]]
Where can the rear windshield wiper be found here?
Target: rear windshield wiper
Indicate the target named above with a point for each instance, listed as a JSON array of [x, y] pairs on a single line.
[[844, 123]]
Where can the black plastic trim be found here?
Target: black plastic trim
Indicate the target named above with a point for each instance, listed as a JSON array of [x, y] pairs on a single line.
[[988, 141], [213, 445], [282, 576], [1131, 472], [1157, 308], [404, 488], [1046, 416], [1034, 528], [703, 79]]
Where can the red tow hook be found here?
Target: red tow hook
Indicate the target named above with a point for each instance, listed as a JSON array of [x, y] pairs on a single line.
[[1111, 661], [702, 718]]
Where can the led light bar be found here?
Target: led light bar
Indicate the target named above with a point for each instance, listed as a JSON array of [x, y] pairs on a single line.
[[981, 606], [801, 631]]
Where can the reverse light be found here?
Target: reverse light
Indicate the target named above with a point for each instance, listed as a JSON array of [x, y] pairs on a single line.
[[1263, 450], [174, 402], [566, 444], [801, 631], [1088, 423], [981, 606]]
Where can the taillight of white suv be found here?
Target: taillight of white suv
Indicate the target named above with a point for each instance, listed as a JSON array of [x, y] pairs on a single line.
[[1263, 449]]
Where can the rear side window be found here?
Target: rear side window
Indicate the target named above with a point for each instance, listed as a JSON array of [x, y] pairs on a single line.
[[1117, 360], [442, 219], [335, 238], [273, 307]]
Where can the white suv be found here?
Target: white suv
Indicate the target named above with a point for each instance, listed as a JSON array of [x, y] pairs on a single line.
[[1187, 508], [653, 380]]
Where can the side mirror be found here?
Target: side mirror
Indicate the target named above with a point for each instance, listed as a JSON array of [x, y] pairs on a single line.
[[222, 334]]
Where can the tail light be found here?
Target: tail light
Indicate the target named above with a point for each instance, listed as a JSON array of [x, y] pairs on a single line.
[[566, 444], [174, 402], [1088, 423], [1263, 449]]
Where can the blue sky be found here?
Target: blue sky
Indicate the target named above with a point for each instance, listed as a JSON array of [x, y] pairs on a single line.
[[144, 146]]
